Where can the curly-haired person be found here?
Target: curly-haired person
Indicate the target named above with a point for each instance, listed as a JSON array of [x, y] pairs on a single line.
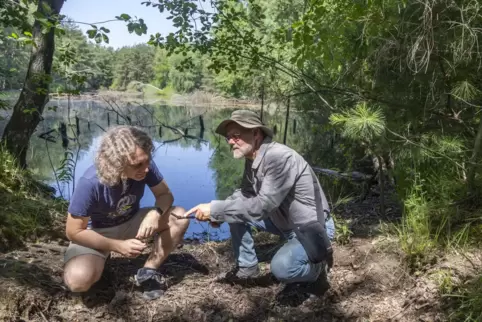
[[104, 213]]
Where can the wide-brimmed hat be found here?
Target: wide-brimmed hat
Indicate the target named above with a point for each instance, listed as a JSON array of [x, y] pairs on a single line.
[[245, 118]]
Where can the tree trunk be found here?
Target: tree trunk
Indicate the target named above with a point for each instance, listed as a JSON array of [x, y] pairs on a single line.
[[262, 103], [35, 92], [381, 182], [286, 121], [473, 160]]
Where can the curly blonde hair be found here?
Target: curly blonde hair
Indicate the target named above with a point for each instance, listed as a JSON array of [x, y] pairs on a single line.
[[117, 150]]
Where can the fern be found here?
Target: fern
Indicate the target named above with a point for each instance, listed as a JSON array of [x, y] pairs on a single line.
[[66, 171]]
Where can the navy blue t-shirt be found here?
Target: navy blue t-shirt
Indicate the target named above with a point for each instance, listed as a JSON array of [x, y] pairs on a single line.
[[109, 206]]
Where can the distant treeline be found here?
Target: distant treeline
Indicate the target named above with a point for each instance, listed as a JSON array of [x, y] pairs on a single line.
[[101, 67]]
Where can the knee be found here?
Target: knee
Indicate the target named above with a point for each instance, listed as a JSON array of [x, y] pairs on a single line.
[[181, 224], [330, 228], [79, 280], [281, 268]]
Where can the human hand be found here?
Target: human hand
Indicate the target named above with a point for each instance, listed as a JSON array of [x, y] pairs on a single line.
[[149, 225], [202, 211], [130, 247]]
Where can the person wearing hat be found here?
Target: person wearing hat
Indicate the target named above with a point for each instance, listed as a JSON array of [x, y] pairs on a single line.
[[280, 194]]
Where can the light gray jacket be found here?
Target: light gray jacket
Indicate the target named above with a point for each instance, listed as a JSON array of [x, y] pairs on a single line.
[[278, 184]]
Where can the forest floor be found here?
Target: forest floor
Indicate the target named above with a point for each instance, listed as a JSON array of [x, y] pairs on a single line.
[[369, 282]]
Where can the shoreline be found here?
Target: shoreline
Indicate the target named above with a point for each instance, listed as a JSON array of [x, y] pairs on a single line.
[[197, 98]]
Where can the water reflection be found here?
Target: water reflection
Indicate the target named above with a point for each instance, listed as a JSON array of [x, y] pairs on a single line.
[[197, 164], [183, 150]]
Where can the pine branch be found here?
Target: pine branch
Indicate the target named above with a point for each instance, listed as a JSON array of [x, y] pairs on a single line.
[[425, 148]]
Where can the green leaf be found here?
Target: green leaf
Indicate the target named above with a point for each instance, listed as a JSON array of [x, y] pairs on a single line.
[[296, 24], [177, 20], [45, 30], [38, 15], [104, 30], [92, 33], [29, 111], [106, 39], [46, 7], [125, 17]]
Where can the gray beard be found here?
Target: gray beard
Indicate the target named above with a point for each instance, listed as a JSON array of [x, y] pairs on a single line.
[[237, 154]]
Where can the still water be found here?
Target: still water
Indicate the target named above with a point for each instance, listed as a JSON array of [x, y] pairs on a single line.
[[186, 171], [197, 166]]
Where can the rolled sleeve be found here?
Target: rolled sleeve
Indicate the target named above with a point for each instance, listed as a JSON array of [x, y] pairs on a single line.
[[278, 181]]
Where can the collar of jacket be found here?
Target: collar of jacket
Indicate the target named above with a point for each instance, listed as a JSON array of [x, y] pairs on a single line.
[[261, 152]]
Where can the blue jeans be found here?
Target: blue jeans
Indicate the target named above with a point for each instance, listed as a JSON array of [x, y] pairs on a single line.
[[290, 264]]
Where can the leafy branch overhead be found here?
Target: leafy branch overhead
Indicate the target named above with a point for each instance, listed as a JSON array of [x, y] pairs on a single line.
[[222, 33], [135, 25]]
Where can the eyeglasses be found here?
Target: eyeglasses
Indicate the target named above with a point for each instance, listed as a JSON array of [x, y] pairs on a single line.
[[235, 137]]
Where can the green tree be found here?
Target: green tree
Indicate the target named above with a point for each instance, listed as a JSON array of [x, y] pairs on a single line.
[[161, 69], [133, 64], [13, 60], [29, 107], [75, 56]]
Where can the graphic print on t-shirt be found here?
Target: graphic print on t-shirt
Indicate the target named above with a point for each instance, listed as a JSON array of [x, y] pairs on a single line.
[[124, 206], [110, 206]]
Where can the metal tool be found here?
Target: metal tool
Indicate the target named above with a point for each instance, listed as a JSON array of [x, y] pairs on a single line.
[[213, 224]]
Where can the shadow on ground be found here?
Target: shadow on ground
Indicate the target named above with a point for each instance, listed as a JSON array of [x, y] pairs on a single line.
[[365, 284], [119, 274], [30, 275]]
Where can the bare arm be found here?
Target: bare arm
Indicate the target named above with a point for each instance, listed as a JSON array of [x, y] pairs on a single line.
[[164, 200], [163, 195], [76, 231]]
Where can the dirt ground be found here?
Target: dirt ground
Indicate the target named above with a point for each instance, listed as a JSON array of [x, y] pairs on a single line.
[[368, 283]]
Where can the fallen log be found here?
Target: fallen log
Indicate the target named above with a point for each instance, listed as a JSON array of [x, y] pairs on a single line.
[[354, 175]]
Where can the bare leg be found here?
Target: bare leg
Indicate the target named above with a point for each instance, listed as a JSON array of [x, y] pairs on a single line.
[[170, 235], [82, 271]]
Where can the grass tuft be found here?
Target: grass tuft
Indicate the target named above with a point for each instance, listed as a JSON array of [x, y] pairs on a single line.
[[467, 302], [29, 210]]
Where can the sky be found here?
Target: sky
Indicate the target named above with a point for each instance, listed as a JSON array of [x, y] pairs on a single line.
[[91, 11]]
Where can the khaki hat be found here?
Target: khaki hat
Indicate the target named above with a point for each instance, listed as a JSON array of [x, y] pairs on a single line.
[[245, 118]]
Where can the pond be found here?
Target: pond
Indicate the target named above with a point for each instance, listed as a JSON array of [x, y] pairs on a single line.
[[198, 167]]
